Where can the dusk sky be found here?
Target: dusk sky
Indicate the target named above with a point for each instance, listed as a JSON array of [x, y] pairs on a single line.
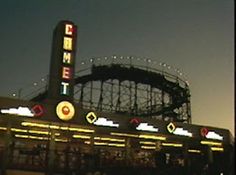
[[196, 36]]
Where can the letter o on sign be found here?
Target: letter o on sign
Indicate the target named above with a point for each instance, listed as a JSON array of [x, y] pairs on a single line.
[[65, 110]]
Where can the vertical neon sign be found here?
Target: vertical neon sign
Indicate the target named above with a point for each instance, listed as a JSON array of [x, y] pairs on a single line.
[[67, 62], [61, 80]]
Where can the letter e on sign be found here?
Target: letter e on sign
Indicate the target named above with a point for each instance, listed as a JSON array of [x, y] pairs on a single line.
[[66, 73]]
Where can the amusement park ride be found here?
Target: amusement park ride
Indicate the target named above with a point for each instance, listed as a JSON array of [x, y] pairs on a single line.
[[139, 115]]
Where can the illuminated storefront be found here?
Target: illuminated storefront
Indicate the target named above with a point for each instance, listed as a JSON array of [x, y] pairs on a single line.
[[135, 139], [58, 136]]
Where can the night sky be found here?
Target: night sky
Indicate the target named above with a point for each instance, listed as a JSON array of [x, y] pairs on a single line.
[[196, 36]]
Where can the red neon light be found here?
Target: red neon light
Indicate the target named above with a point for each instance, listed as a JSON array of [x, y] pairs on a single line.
[[37, 110], [134, 121], [204, 131], [65, 110]]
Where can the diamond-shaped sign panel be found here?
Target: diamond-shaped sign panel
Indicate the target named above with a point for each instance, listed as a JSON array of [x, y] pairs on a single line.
[[91, 117], [171, 127]]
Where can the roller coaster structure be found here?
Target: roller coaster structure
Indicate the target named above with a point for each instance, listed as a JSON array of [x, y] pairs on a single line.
[[131, 89]]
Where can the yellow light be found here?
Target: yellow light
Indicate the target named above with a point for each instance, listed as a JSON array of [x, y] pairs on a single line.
[[87, 142], [171, 127], [152, 137], [147, 143], [116, 144], [21, 136], [124, 134], [38, 132], [67, 43], [18, 130], [3, 128], [34, 137], [65, 110], [61, 140], [85, 130], [81, 130], [173, 144], [54, 127], [91, 117], [217, 149], [40, 125], [81, 136], [73, 129], [109, 139], [30, 137], [148, 147], [64, 128], [100, 143], [25, 123], [109, 144], [57, 134], [194, 151], [211, 143]]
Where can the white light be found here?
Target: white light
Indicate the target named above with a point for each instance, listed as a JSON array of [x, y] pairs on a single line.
[[146, 127], [181, 131], [23, 111], [104, 122], [213, 135]]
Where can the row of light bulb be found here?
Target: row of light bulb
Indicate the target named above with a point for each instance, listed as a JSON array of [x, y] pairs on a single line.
[[91, 60]]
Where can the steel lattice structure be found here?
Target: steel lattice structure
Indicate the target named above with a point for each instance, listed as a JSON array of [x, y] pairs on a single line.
[[130, 89], [133, 90]]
